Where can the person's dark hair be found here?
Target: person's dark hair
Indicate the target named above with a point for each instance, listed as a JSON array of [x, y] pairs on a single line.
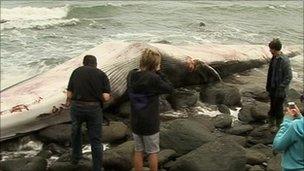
[[275, 44], [90, 60]]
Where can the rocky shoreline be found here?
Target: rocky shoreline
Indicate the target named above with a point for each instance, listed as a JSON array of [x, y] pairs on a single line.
[[190, 139]]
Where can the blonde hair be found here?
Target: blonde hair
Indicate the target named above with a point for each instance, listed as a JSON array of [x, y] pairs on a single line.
[[149, 60]]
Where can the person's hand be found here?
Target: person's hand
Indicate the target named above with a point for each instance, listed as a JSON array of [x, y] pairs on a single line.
[[158, 68], [67, 104], [190, 63], [294, 112]]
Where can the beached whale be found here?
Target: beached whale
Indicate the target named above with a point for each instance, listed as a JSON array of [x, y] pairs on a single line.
[[37, 102]]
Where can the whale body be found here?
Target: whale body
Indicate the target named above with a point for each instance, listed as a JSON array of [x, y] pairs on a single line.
[[37, 102]]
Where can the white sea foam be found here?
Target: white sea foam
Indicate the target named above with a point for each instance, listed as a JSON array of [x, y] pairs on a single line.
[[33, 13]]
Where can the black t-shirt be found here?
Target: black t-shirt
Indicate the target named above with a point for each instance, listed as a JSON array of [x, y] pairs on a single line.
[[88, 83], [144, 88]]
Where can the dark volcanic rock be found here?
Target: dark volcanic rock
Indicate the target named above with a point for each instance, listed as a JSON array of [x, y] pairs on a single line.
[[274, 164], [183, 135], [60, 134], [205, 121], [120, 157], [83, 165], [238, 139], [223, 109], [164, 105], [253, 111], [221, 93], [261, 134], [165, 155], [219, 155], [222, 121], [114, 131], [183, 98], [26, 164], [255, 157], [267, 151], [257, 168], [240, 129]]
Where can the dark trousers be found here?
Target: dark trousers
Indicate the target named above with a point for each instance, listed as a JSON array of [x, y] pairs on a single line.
[[92, 116], [276, 110]]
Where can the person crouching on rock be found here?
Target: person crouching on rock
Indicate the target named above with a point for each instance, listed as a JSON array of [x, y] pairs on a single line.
[[278, 79], [144, 86], [290, 140], [88, 88]]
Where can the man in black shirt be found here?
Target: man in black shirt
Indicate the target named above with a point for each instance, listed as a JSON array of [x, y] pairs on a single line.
[[278, 79], [144, 87], [88, 88]]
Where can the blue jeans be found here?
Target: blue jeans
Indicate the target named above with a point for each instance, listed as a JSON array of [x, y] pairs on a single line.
[[92, 116]]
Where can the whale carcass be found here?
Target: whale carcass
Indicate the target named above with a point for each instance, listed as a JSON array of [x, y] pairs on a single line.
[[37, 102]]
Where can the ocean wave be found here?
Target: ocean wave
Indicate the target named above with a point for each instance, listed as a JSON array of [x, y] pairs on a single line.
[[39, 24], [33, 13]]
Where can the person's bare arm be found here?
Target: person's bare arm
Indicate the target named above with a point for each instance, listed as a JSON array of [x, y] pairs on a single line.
[[105, 97], [68, 99]]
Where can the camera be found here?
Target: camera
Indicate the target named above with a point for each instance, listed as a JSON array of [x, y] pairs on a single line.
[[291, 105]]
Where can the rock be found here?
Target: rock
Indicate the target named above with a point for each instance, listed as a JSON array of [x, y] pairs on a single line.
[[83, 165], [205, 121], [223, 109], [45, 154], [21, 142], [260, 110], [221, 93], [261, 134], [218, 155], [267, 151], [165, 155], [183, 98], [55, 149], [183, 135], [255, 157], [60, 134], [245, 114], [119, 158], [257, 168], [253, 111], [25, 164], [240, 129], [222, 121], [114, 131], [164, 105], [238, 139], [258, 94], [274, 164], [164, 42], [202, 24]]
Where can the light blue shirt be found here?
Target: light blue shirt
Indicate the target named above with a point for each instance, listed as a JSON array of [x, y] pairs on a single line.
[[290, 141]]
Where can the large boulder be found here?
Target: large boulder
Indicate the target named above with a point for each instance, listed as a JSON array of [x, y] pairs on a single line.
[[267, 151], [255, 157], [184, 135], [60, 134], [114, 131], [165, 155], [223, 109], [261, 134], [221, 93], [274, 164], [119, 158], [238, 139], [183, 98], [222, 121], [220, 155], [240, 129], [253, 111], [25, 164], [83, 165]]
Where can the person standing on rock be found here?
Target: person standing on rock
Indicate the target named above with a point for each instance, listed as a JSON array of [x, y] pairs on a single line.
[[278, 79], [144, 86], [88, 88], [290, 140]]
